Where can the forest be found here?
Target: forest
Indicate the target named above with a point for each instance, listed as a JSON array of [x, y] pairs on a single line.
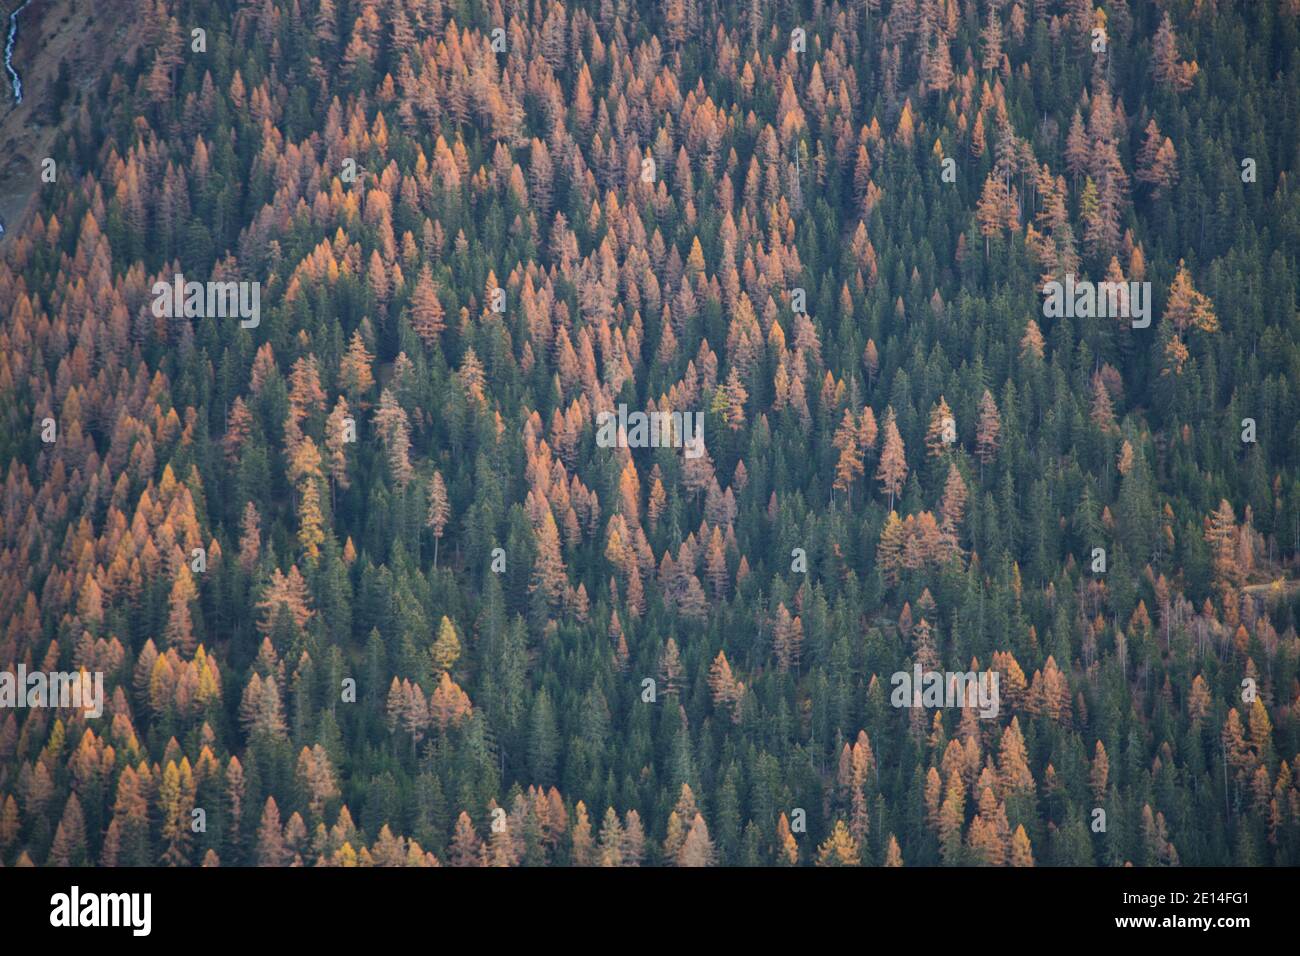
[[366, 580]]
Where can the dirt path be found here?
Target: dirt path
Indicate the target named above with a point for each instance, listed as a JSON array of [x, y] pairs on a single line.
[[1280, 587]]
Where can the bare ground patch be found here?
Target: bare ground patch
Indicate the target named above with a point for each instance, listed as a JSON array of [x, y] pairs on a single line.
[[88, 35]]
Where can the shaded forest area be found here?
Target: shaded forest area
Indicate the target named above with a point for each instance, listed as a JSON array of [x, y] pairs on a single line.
[[365, 590]]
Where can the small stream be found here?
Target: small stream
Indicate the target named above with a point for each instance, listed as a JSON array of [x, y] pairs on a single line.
[[16, 81]]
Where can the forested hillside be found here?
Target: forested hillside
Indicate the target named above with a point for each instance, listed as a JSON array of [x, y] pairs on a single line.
[[366, 589]]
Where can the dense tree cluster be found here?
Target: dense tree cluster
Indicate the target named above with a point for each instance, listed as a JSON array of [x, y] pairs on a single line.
[[366, 591]]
